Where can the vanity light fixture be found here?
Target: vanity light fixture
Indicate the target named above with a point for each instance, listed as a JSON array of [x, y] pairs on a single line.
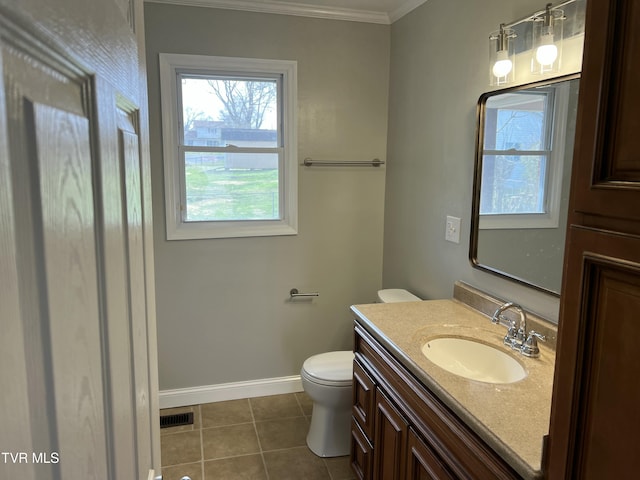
[[547, 40], [502, 56], [546, 44]]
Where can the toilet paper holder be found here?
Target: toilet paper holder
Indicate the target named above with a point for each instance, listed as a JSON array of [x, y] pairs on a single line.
[[294, 293]]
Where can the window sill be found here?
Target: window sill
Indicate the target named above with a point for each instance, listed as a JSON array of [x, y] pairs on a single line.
[[210, 230]]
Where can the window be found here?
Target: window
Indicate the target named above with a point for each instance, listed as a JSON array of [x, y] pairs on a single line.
[[522, 158], [229, 138]]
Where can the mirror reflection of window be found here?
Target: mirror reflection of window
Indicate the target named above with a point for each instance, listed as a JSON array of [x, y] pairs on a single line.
[[516, 141], [522, 158]]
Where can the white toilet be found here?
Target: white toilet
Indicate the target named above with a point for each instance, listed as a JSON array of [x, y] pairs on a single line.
[[327, 379]]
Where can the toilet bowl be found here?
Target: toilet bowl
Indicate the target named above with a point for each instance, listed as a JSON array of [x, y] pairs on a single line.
[[327, 379]]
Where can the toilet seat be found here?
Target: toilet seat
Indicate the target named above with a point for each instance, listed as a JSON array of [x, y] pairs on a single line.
[[331, 368]]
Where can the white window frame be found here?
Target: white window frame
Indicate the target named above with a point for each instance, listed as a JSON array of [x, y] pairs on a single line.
[[555, 165], [173, 65]]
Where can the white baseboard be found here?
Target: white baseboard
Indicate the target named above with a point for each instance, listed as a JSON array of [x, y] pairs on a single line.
[[229, 391]]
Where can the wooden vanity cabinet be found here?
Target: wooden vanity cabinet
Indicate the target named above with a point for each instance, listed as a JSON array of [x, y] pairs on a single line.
[[401, 430]]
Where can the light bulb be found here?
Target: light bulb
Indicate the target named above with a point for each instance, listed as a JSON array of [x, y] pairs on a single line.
[[546, 54], [503, 64]]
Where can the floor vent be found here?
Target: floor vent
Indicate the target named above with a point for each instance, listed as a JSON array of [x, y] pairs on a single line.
[[176, 420]]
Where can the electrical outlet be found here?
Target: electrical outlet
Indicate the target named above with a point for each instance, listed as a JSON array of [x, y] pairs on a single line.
[[452, 232]]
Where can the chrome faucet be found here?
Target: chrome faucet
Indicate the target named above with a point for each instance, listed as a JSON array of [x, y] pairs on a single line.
[[513, 333], [517, 337]]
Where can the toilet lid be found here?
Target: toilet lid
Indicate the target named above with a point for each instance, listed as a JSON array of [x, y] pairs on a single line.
[[334, 367]]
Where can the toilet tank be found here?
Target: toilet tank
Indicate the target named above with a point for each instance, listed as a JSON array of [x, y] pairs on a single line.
[[393, 295]]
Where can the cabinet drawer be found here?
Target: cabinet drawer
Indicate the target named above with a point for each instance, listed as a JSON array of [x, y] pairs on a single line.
[[363, 399], [361, 452]]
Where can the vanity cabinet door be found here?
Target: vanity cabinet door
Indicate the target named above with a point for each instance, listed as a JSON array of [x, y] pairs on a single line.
[[595, 419], [390, 440], [606, 164], [423, 463]]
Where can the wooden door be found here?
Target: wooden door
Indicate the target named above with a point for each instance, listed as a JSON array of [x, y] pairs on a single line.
[[390, 440], [422, 461], [595, 418], [78, 370]]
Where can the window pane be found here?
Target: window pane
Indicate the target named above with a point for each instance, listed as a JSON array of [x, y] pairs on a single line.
[[513, 184], [231, 186], [516, 121], [219, 112]]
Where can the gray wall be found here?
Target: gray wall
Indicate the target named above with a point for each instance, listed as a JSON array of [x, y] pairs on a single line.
[[439, 69], [222, 305], [223, 314]]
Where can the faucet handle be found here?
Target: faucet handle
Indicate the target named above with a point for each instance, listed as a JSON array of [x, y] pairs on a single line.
[[530, 345], [533, 335]]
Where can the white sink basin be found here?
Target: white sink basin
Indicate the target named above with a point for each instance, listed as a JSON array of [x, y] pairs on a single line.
[[471, 359]]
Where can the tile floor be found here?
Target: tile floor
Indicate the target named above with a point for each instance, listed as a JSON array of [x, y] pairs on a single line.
[[257, 438]]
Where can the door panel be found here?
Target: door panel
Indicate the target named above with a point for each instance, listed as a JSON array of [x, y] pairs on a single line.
[[423, 463], [50, 160], [14, 410], [390, 441], [131, 174], [68, 252], [623, 123], [607, 153], [113, 234], [606, 420], [612, 396]]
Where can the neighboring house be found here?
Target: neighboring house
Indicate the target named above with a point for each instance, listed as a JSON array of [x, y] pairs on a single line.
[[211, 133], [204, 133]]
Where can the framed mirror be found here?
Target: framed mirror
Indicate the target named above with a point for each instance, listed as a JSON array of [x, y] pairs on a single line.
[[524, 150]]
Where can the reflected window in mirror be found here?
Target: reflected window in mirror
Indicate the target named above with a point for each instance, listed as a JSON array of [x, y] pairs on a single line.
[[523, 165], [520, 159]]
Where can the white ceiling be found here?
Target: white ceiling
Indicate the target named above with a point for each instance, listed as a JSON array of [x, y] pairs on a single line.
[[371, 11]]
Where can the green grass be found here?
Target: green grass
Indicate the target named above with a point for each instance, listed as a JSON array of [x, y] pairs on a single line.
[[218, 194]]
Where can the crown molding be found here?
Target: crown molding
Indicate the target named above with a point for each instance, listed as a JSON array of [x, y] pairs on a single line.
[[405, 8], [297, 9]]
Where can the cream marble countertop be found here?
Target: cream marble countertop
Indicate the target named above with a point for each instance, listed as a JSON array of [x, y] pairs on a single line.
[[512, 418]]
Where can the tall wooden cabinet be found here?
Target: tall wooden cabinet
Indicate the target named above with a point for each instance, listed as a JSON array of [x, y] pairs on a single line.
[[595, 416]]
